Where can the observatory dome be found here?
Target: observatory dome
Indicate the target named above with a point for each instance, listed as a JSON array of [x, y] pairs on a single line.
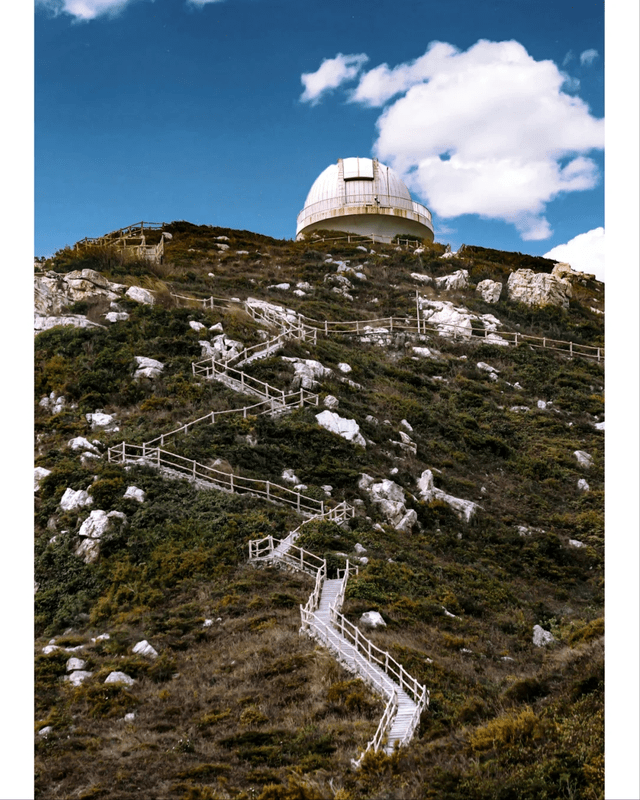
[[363, 196]]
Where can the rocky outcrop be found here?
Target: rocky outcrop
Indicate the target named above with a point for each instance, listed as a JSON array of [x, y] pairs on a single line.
[[457, 321], [372, 619], [41, 323], [147, 368], [38, 474], [453, 282], [92, 529], [583, 459], [73, 500], [390, 499], [541, 638], [489, 290], [140, 295], [54, 292], [308, 373], [566, 272], [465, 509], [347, 428], [538, 288]]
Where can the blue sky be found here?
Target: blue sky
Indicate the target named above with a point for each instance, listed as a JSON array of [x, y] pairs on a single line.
[[175, 109]]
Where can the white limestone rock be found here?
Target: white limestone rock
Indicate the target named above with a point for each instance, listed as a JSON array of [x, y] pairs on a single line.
[[417, 276], [217, 328], [282, 287], [347, 428], [45, 731], [102, 637], [88, 550], [140, 295], [406, 425], [73, 500], [75, 663], [130, 716], [489, 290], [134, 493], [304, 285], [425, 352], [80, 443], [542, 404], [360, 549], [583, 459], [38, 474], [100, 420], [119, 677], [42, 323], [583, 485], [308, 373], [372, 619], [390, 499], [538, 288], [488, 368], [576, 543], [455, 281], [143, 648], [147, 367], [344, 368], [289, 476], [542, 638], [98, 522], [196, 326], [116, 316], [465, 509], [299, 293], [331, 402]]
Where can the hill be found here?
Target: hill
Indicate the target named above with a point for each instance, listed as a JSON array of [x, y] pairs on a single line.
[[469, 411]]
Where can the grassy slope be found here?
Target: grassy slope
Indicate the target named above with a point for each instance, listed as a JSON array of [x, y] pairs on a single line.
[[246, 708]]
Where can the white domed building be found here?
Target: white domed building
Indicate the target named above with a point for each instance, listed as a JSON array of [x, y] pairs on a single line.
[[363, 196]]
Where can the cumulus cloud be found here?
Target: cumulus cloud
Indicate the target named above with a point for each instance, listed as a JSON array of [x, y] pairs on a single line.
[[584, 252], [330, 74], [84, 9], [486, 131], [588, 57]]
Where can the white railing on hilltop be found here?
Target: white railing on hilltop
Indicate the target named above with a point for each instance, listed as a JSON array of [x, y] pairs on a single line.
[[225, 481]]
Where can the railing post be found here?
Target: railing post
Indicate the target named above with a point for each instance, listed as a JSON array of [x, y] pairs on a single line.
[[386, 662], [516, 339], [391, 324], [268, 496], [326, 327], [158, 456], [570, 348], [193, 470], [301, 397], [401, 675], [544, 341], [598, 355], [231, 481]]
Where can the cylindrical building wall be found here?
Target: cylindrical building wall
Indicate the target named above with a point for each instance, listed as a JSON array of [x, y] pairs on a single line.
[[363, 196]]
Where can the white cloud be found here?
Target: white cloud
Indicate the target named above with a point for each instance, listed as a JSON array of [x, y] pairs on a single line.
[[84, 9], [588, 57], [331, 73], [584, 252], [569, 57], [202, 2], [486, 131]]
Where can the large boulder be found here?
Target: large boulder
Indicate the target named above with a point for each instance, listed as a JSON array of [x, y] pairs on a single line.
[[456, 321], [541, 638], [41, 323], [53, 292], [453, 282], [538, 288], [347, 428], [72, 500], [308, 373], [140, 295], [489, 290], [465, 509], [372, 619], [390, 500], [38, 474], [147, 367]]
